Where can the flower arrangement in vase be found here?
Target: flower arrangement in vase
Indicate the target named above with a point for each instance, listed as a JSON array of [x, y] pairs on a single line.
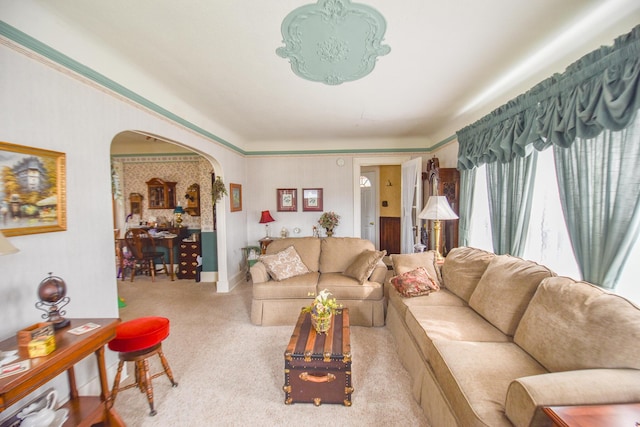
[[322, 309], [328, 221]]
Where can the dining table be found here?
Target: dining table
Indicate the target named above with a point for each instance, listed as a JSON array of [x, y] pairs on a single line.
[[167, 242]]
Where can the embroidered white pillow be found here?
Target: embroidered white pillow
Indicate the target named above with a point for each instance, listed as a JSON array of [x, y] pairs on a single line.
[[284, 264]]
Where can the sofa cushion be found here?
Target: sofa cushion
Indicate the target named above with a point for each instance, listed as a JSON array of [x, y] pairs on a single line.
[[338, 253], [462, 269], [406, 262], [284, 264], [575, 325], [307, 247], [295, 287], [442, 297], [415, 283], [364, 264], [505, 289], [475, 377], [429, 323], [347, 288]]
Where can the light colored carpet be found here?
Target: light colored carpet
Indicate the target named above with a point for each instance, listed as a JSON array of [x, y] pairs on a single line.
[[231, 373]]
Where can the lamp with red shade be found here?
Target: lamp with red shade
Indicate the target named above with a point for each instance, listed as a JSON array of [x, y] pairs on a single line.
[[266, 218]]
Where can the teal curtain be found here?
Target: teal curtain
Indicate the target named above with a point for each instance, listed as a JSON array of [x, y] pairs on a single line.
[[599, 182], [467, 191], [599, 91], [595, 96], [510, 188]]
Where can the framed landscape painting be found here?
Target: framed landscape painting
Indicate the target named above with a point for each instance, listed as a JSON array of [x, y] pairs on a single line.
[[287, 200], [32, 190], [312, 199], [236, 197]]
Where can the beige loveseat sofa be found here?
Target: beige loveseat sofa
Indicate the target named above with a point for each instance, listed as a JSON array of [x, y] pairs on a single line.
[[504, 337], [279, 302]]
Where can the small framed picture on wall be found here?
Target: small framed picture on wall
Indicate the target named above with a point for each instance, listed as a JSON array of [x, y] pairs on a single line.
[[312, 199], [287, 199], [236, 197]]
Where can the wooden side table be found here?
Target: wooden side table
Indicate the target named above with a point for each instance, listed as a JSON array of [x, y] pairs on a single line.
[[627, 414], [70, 349]]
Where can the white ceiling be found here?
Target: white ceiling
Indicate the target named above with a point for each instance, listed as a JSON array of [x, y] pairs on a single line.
[[214, 64]]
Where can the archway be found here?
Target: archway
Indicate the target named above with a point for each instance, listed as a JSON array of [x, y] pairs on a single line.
[[178, 160]]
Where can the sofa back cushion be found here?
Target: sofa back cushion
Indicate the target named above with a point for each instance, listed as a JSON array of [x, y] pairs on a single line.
[[308, 248], [573, 325], [404, 263], [505, 289], [338, 253], [463, 268]]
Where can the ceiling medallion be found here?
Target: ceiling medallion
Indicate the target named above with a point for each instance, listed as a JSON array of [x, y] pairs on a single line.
[[333, 41]]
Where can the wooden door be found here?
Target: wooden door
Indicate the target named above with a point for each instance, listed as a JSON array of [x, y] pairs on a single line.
[[390, 234]]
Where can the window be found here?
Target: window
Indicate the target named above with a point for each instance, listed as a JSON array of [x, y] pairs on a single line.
[[364, 181], [548, 240]]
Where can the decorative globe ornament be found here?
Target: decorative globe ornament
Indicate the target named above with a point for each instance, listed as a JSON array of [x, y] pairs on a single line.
[[52, 292]]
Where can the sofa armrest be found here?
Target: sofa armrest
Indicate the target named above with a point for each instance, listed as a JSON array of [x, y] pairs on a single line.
[[379, 273], [259, 273], [527, 395]]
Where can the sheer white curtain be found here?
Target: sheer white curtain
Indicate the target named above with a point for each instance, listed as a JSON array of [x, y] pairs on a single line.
[[410, 172], [548, 240]]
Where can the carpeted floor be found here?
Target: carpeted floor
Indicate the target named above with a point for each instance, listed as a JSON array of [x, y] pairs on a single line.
[[230, 372]]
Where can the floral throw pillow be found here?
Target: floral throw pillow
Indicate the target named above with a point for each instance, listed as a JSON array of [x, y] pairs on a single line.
[[284, 264], [414, 283]]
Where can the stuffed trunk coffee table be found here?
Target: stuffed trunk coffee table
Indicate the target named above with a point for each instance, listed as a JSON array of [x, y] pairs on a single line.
[[317, 367]]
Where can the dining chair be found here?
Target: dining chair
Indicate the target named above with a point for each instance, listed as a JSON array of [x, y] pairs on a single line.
[[145, 254]]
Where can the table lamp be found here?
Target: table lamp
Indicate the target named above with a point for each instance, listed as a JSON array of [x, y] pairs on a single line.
[[6, 247], [178, 211], [437, 209], [266, 218]]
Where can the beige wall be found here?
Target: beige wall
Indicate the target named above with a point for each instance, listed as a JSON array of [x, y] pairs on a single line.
[[390, 193]]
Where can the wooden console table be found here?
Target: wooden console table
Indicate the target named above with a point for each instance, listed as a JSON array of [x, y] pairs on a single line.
[[594, 415], [70, 349]]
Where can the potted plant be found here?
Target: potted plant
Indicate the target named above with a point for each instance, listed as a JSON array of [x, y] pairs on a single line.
[[218, 190], [321, 310], [329, 220]]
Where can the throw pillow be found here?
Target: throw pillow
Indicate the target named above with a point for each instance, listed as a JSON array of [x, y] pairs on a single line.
[[284, 264], [414, 283], [364, 264]]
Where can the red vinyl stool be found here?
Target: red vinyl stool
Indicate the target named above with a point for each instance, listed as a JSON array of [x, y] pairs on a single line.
[[136, 341]]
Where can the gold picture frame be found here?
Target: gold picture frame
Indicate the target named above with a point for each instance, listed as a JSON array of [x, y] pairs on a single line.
[[32, 190]]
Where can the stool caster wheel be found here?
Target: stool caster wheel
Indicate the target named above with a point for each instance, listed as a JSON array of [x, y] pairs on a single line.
[[174, 385]]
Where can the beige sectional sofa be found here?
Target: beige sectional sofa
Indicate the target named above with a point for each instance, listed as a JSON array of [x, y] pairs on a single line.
[[279, 302], [504, 337]]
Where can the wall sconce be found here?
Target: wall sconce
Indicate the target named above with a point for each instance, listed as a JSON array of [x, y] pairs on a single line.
[[388, 184], [6, 247]]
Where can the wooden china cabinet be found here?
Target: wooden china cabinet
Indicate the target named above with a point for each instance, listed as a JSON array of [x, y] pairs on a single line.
[[162, 194], [449, 186]]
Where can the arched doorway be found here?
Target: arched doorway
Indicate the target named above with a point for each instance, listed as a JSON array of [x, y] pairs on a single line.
[[137, 157]]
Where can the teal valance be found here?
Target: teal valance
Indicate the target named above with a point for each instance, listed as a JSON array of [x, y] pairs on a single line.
[[599, 91]]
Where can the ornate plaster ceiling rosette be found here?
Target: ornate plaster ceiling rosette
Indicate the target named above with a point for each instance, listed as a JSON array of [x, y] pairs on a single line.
[[333, 41]]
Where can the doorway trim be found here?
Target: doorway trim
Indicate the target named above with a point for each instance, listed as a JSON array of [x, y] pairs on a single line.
[[358, 163]]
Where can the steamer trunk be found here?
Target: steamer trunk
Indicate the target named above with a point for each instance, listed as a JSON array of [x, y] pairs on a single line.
[[317, 367]]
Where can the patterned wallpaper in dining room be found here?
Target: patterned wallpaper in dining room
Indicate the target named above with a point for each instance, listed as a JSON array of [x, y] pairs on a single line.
[[182, 169]]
